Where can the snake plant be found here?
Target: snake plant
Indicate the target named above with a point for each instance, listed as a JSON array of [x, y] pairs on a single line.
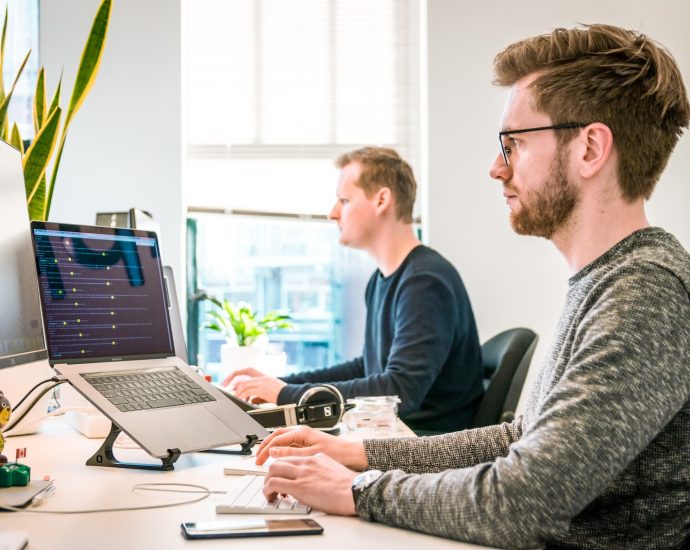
[[49, 125]]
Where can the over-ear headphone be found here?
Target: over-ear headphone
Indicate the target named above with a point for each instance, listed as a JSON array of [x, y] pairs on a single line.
[[319, 407]]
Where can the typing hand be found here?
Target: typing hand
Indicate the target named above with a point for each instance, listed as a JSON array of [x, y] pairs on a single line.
[[244, 373], [259, 389], [318, 481], [304, 441]]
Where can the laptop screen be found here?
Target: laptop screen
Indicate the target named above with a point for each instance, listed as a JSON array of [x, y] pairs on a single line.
[[101, 292]]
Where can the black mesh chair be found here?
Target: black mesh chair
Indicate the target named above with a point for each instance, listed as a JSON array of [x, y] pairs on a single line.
[[506, 358]]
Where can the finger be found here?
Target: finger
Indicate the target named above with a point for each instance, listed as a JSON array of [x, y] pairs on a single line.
[[276, 486], [288, 468], [266, 442], [235, 373], [282, 452], [282, 437]]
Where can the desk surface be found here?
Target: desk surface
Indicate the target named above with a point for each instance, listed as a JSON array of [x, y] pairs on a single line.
[[60, 452]]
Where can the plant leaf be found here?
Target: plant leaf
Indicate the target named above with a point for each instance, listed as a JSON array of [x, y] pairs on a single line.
[[16, 139], [6, 101], [90, 60], [2, 55], [37, 206], [39, 107], [56, 97], [37, 157]]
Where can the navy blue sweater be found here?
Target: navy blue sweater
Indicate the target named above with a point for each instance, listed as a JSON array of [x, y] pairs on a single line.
[[421, 344]]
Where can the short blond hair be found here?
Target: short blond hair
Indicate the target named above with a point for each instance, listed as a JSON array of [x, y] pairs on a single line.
[[382, 167], [602, 73]]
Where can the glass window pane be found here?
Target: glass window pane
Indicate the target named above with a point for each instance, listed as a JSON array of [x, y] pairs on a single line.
[[297, 265]]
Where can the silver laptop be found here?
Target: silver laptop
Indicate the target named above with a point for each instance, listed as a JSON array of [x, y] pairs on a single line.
[[108, 332]]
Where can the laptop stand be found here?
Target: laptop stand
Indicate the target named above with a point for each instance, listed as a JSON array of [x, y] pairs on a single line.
[[105, 457], [246, 447]]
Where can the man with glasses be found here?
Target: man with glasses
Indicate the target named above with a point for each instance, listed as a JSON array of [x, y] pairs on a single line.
[[600, 457]]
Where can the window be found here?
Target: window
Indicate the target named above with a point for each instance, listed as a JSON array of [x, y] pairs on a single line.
[[22, 36], [274, 92]]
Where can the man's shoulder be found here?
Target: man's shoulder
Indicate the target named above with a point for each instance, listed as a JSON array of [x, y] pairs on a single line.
[[424, 258], [657, 255], [651, 255]]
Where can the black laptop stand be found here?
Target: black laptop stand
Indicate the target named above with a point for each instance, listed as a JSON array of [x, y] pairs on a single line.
[[104, 456]]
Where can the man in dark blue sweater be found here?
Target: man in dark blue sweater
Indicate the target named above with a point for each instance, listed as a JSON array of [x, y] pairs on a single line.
[[421, 339]]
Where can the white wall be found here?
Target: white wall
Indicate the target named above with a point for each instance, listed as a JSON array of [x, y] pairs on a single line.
[[124, 146], [513, 280]]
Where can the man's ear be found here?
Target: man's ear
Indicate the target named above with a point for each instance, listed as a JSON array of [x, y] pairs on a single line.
[[384, 199], [595, 149]]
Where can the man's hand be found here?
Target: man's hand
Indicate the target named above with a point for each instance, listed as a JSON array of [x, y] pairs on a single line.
[[250, 373], [318, 481], [304, 441], [260, 389]]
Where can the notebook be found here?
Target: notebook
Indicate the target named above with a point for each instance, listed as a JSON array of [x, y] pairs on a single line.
[[108, 332]]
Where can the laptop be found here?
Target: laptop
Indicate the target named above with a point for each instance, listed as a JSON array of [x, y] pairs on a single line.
[[108, 332]]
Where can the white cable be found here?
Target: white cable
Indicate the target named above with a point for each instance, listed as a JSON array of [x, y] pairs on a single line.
[[206, 492]]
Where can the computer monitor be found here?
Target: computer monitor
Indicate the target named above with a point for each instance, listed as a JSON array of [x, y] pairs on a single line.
[[23, 356]]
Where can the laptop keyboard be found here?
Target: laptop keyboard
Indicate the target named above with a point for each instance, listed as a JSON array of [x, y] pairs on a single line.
[[153, 388], [246, 497]]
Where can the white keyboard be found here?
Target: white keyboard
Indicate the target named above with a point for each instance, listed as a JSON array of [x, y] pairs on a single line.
[[246, 497]]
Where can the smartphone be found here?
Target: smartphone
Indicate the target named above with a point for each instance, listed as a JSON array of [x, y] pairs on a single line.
[[250, 528]]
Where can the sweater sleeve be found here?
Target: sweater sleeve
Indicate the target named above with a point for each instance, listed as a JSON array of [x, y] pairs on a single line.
[[421, 344], [628, 375], [442, 452]]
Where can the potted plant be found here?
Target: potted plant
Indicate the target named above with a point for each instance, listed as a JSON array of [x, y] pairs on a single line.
[[245, 332], [50, 133]]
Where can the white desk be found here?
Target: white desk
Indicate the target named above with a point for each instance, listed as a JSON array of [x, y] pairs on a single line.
[[61, 452]]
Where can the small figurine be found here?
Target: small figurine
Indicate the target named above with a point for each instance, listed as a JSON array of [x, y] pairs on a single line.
[[5, 411]]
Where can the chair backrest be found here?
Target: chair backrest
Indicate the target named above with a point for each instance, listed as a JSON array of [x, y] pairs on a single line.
[[506, 358]]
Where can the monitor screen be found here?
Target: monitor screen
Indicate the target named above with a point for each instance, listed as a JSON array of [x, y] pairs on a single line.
[[21, 331], [102, 293]]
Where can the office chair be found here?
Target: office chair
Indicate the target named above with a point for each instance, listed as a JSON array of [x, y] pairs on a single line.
[[506, 358]]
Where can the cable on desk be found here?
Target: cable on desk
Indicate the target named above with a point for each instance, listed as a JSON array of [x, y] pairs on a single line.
[[205, 493], [53, 379], [17, 420]]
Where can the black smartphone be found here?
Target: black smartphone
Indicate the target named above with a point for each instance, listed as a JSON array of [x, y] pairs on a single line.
[[233, 528]]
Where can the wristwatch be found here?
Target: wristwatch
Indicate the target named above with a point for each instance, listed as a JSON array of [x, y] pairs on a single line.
[[362, 481]]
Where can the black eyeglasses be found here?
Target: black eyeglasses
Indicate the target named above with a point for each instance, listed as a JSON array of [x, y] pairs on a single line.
[[564, 126]]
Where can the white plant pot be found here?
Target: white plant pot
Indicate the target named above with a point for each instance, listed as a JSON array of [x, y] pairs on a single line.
[[233, 357]]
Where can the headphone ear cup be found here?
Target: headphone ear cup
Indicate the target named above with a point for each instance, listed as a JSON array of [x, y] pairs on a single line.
[[325, 394]]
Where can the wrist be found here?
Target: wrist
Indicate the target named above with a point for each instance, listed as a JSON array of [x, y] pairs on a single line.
[[362, 482], [355, 457]]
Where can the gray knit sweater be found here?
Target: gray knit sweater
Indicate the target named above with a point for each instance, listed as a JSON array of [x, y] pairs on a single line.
[[601, 456]]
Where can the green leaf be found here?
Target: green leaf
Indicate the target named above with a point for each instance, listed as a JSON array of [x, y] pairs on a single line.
[[6, 101], [39, 107], [36, 160], [90, 60], [55, 103], [37, 207], [16, 139], [2, 55]]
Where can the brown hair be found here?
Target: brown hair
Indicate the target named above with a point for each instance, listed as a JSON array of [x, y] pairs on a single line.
[[602, 73], [383, 167]]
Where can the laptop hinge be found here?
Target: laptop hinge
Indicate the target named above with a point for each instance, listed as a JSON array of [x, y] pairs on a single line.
[[105, 456]]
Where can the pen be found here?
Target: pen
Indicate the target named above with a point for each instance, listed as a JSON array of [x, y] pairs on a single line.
[[43, 495]]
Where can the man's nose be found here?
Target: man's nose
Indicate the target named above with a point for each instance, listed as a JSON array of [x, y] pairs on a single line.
[[334, 213], [499, 169]]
